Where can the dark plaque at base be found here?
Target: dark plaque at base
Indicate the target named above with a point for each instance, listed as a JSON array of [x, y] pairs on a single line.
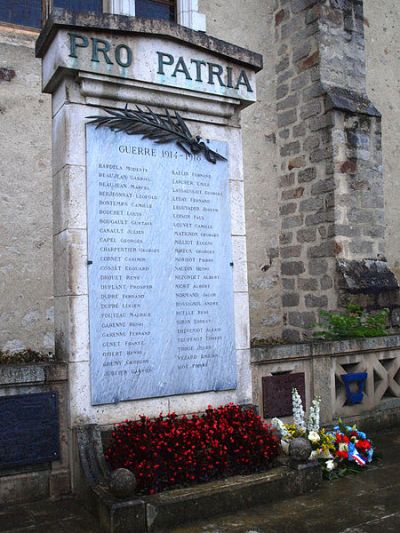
[[29, 430], [277, 393]]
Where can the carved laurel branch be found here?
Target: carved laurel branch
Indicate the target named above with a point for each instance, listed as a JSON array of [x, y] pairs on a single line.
[[160, 128]]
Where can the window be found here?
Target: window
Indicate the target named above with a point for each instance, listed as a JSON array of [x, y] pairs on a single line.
[[95, 6], [156, 9], [29, 13], [22, 12]]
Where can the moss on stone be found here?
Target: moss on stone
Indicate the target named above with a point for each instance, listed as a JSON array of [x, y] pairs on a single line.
[[24, 356]]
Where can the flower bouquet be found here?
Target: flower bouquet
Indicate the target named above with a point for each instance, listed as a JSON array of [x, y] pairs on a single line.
[[322, 443], [343, 450], [353, 451]]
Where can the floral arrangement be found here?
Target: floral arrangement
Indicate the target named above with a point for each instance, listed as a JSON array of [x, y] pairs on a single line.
[[340, 451], [176, 451], [352, 450]]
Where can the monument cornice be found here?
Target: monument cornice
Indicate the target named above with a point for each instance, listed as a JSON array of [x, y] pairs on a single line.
[[64, 19]]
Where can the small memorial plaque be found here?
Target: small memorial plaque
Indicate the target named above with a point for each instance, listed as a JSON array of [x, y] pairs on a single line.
[[277, 393], [29, 429], [160, 269]]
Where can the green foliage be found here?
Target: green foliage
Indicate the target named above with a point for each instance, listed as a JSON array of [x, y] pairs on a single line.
[[354, 322]]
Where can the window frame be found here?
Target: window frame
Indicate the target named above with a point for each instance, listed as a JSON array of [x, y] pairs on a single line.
[[186, 14]]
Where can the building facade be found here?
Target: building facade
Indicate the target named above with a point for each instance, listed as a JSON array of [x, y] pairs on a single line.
[[292, 246], [319, 188]]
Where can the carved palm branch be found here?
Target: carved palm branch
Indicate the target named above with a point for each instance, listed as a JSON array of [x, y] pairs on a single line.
[[160, 128]]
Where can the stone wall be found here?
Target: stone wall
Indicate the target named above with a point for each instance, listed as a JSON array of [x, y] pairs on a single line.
[[26, 260], [306, 183], [250, 23], [329, 135], [382, 47]]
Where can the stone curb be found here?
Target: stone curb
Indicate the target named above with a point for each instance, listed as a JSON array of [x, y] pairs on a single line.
[[161, 512]]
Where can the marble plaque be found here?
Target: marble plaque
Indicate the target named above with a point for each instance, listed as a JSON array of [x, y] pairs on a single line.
[[160, 269], [29, 429], [277, 393]]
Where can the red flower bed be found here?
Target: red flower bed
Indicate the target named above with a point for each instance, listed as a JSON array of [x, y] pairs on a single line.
[[168, 450]]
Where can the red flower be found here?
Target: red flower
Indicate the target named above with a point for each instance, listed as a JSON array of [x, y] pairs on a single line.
[[342, 455], [363, 445], [170, 450], [342, 438]]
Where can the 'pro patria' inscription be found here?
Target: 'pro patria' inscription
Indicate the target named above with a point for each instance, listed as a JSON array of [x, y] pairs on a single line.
[[131, 57]]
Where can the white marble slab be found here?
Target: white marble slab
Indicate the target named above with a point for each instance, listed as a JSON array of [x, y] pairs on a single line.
[[161, 315]]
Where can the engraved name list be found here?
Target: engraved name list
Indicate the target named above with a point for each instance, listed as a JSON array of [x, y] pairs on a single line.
[[160, 270]]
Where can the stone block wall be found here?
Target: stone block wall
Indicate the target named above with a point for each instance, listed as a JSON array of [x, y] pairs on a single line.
[[329, 138], [307, 181]]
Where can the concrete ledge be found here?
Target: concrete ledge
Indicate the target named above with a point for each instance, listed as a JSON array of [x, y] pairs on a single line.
[[280, 352], [388, 342], [27, 487], [35, 373], [323, 365], [160, 512], [263, 354], [378, 420]]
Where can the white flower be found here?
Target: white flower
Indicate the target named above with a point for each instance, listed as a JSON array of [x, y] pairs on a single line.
[[285, 447], [313, 437], [330, 465], [343, 447], [313, 419], [314, 455], [279, 426], [298, 411]]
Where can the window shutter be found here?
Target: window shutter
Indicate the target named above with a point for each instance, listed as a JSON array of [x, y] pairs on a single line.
[[82, 6], [156, 9], [22, 12]]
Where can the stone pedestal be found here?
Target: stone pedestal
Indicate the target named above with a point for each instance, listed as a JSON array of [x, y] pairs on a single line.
[[91, 63]]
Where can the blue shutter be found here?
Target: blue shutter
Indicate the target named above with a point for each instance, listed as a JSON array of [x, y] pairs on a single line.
[[82, 6], [156, 9], [22, 12], [29, 12]]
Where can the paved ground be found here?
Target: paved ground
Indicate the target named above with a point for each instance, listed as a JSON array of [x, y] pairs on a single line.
[[365, 503], [66, 516]]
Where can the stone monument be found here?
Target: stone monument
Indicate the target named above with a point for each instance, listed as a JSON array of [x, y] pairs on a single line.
[[151, 297]]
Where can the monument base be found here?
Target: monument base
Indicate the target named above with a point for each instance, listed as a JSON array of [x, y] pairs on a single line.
[[173, 508]]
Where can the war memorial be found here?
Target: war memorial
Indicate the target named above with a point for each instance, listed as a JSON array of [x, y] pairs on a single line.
[[205, 203]]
